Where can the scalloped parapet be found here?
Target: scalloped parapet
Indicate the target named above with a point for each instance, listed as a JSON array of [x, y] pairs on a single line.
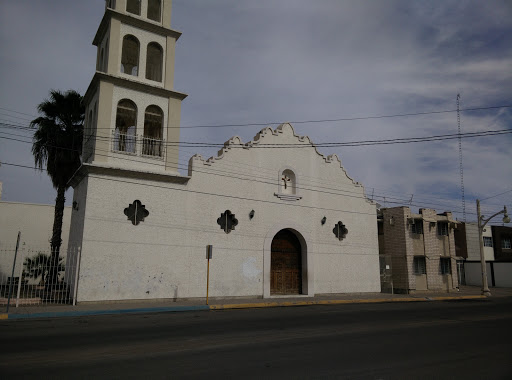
[[282, 129]]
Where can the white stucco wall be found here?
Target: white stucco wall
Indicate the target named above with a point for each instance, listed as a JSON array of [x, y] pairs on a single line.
[[473, 244], [35, 222], [164, 256]]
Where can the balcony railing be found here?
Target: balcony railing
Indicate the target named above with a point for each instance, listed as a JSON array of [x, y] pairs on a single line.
[[123, 142], [152, 147], [138, 145]]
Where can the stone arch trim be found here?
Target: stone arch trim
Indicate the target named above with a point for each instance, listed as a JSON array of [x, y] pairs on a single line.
[[308, 287]]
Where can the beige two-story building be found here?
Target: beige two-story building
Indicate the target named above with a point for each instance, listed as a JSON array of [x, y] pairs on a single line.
[[417, 250]]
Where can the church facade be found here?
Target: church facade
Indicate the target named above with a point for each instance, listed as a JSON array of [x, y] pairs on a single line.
[[281, 218]]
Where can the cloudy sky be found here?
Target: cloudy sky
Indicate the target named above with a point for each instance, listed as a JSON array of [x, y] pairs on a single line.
[[271, 61]]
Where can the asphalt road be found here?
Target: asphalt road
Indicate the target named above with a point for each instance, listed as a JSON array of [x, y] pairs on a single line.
[[426, 340]]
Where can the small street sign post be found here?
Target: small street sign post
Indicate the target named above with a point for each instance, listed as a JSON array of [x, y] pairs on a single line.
[[209, 255]]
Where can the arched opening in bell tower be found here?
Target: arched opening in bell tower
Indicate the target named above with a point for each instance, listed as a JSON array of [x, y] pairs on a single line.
[[154, 59], [152, 143], [130, 56]]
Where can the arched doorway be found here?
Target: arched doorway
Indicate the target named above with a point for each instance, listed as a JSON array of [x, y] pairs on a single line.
[[286, 264]]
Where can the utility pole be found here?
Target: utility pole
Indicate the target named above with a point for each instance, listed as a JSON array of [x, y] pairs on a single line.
[[485, 286]]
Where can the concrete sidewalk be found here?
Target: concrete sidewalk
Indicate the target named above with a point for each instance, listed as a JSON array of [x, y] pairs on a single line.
[[197, 304]]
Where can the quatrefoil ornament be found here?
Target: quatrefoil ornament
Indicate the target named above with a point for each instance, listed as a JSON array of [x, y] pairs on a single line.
[[227, 221], [340, 231], [136, 212]]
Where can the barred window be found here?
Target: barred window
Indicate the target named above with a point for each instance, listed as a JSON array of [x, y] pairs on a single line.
[[130, 56], [420, 265], [487, 241], [152, 144], [505, 243], [442, 229], [154, 7], [133, 6], [154, 60], [126, 125], [445, 265], [417, 227]]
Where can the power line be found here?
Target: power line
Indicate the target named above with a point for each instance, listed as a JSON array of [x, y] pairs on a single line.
[[307, 189], [185, 166], [345, 118], [336, 144], [497, 195], [20, 113], [360, 195], [323, 120], [304, 188]]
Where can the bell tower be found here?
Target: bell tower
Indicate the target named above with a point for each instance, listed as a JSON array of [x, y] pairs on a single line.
[[132, 110]]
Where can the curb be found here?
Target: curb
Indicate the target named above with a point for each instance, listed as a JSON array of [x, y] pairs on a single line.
[[336, 302], [85, 313], [257, 305]]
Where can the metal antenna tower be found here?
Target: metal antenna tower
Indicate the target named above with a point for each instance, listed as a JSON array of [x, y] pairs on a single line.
[[461, 169]]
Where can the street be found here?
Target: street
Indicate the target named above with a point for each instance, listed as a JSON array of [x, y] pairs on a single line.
[[420, 340]]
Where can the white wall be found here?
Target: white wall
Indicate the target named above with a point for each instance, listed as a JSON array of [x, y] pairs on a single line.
[[164, 256], [473, 272]]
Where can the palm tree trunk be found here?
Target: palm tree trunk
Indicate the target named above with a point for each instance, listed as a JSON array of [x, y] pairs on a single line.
[[56, 241]]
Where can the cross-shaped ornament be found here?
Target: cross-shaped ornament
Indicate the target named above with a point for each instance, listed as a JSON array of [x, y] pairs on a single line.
[[285, 179]]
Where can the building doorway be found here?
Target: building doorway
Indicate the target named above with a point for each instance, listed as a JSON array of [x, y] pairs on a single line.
[[286, 264]]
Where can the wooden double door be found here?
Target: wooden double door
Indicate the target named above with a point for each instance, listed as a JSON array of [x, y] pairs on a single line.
[[286, 264]]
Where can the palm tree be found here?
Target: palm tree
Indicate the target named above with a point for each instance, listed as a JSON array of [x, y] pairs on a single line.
[[38, 266], [57, 143]]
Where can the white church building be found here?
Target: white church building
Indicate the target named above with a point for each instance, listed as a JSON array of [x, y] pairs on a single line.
[[282, 218]]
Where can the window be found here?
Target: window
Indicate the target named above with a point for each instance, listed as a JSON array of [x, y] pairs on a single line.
[[417, 227], [154, 12], [154, 62], [420, 265], [153, 127], [445, 265], [95, 118], [88, 128], [505, 243], [126, 122], [111, 4], [442, 229], [105, 62], [487, 241], [133, 6], [227, 221], [340, 231], [100, 65], [380, 228], [130, 56]]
